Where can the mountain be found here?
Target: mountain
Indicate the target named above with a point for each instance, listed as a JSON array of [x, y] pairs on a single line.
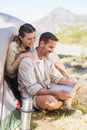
[[58, 19], [55, 21], [8, 20]]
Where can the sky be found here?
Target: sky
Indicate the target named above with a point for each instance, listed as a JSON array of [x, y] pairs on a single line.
[[33, 10]]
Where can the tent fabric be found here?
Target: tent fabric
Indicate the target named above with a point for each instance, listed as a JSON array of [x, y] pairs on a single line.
[[10, 115], [9, 118], [6, 35], [11, 121]]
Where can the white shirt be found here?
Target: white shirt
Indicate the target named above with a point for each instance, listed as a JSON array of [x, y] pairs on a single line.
[[41, 68]]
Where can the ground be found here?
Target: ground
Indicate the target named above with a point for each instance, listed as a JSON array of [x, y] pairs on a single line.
[[74, 121], [59, 120]]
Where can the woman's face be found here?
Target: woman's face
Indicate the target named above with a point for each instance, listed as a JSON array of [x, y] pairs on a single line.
[[29, 39]]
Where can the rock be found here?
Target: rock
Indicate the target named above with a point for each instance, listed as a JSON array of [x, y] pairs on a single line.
[[77, 114]]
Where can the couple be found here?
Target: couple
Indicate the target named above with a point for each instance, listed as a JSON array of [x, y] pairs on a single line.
[[37, 76]]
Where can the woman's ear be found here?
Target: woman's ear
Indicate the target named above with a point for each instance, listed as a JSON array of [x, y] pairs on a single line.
[[20, 37]]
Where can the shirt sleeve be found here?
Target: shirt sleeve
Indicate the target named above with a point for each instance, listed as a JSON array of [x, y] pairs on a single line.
[[11, 53], [27, 77], [54, 74]]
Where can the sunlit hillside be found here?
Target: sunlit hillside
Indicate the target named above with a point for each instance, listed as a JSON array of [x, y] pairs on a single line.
[[76, 34], [60, 18]]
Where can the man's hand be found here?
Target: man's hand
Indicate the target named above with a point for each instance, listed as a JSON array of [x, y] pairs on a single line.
[[62, 95], [68, 81]]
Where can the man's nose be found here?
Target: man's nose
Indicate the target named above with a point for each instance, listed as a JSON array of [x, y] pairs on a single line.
[[32, 40], [51, 50]]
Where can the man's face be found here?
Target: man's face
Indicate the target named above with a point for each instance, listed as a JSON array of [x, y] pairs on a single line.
[[48, 47]]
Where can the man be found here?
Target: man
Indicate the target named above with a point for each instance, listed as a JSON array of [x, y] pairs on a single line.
[[40, 80]]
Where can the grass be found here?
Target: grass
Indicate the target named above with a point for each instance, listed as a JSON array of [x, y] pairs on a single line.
[[73, 34], [75, 65], [51, 115]]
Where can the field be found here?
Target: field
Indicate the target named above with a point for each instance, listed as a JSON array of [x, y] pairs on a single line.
[[75, 65]]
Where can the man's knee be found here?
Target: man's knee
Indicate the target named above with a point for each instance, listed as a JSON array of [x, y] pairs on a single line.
[[52, 103], [48, 102]]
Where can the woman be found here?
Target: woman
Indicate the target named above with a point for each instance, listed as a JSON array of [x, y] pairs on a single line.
[[18, 49]]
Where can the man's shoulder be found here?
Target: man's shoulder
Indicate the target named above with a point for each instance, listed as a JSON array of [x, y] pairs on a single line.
[[26, 63], [27, 60]]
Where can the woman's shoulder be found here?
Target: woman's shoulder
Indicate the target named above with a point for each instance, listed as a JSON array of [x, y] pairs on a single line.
[[13, 45]]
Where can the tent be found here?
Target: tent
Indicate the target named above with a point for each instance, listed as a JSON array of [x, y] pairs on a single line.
[[7, 100]]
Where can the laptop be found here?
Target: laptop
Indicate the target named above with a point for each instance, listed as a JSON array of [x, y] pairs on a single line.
[[80, 83]]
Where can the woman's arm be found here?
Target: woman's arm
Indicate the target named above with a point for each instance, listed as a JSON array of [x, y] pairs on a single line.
[[12, 62], [15, 64]]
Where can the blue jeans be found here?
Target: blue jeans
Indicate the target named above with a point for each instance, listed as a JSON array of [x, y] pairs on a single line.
[[62, 87]]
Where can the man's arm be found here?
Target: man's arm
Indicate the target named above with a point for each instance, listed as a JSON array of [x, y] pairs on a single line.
[[58, 64], [27, 76], [67, 81], [59, 94]]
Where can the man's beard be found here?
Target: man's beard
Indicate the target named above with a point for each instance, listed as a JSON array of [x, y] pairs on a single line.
[[47, 54]]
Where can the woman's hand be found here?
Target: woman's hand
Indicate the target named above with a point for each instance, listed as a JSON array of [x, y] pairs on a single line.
[[15, 64], [27, 54]]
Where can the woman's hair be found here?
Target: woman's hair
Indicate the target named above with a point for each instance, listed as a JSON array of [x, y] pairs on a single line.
[[25, 28]]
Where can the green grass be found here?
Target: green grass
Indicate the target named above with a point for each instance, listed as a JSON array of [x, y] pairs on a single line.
[[74, 64], [73, 34]]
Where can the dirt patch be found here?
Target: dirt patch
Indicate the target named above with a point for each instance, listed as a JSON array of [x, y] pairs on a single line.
[[65, 122]]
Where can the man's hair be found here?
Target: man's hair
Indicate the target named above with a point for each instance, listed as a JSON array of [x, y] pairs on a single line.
[[46, 36]]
